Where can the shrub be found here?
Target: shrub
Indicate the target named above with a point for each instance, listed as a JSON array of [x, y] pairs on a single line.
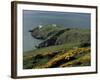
[[68, 56]]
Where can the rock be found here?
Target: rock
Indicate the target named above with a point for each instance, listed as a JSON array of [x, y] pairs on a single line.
[[51, 40]]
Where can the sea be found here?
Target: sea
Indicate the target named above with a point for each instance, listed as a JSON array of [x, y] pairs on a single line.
[[34, 18]]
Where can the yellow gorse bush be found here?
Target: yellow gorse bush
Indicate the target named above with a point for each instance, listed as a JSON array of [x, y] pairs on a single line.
[[84, 59], [66, 56]]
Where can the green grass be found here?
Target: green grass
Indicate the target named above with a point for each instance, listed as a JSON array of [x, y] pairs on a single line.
[[27, 57], [84, 60], [69, 48], [75, 55], [73, 36]]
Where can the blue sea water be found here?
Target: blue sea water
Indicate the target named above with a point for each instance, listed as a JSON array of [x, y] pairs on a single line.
[[32, 19]]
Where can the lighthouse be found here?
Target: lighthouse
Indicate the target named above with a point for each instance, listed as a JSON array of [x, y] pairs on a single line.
[[54, 25], [40, 26]]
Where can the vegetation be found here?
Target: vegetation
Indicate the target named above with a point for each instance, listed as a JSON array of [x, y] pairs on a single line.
[[45, 31], [62, 47], [66, 57]]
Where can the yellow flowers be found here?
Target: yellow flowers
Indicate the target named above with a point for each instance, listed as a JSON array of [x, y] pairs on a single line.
[[72, 53], [68, 56], [81, 61]]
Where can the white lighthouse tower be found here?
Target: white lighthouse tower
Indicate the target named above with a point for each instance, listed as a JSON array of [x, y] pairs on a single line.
[[40, 26], [54, 25]]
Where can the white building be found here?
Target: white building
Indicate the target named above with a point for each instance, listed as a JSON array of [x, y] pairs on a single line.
[[54, 25], [40, 26]]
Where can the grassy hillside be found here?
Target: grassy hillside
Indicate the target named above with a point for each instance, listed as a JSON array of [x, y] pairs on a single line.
[[62, 47]]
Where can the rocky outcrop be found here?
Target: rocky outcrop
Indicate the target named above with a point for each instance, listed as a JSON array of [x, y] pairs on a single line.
[[52, 39], [56, 36]]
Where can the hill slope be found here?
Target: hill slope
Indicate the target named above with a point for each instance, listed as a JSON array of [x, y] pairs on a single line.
[[61, 47]]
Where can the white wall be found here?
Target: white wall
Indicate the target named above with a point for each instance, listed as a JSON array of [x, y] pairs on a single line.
[[5, 41]]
